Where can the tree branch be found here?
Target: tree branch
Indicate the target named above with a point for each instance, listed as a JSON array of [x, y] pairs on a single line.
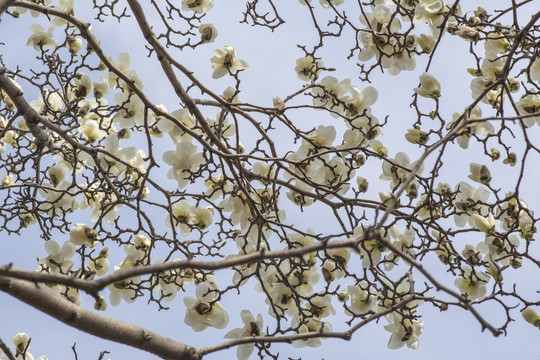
[[94, 286], [56, 306]]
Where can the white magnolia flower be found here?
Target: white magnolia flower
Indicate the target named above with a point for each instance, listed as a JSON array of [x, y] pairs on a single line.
[[239, 209], [82, 234], [529, 104], [404, 331], [326, 3], [181, 216], [329, 90], [123, 63], [359, 101], [100, 265], [535, 70], [429, 86], [531, 316], [499, 249], [321, 306], [311, 325], [483, 224], [217, 186], [22, 342], [323, 136], [397, 171], [480, 173], [58, 200], [41, 38], [208, 33], [363, 299], [472, 283], [197, 6], [132, 111], [225, 62], [184, 160], [472, 128], [91, 131], [308, 68], [58, 258], [204, 311], [468, 201], [202, 217], [66, 6], [251, 327], [47, 100], [169, 282]]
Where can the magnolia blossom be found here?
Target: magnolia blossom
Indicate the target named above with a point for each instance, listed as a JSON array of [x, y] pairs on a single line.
[[308, 68], [203, 311], [100, 265], [468, 201], [359, 100], [181, 215], [217, 186], [500, 250], [310, 325], [328, 3], [483, 224], [405, 331], [531, 316], [58, 258], [47, 100], [177, 133], [225, 62], [429, 86], [401, 241], [82, 234], [59, 199], [124, 289], [208, 33], [482, 128], [472, 283], [66, 6], [22, 345], [40, 37], [399, 169], [251, 327], [426, 43], [91, 131], [132, 111], [480, 173], [363, 299], [202, 217], [323, 136], [197, 6], [123, 63], [239, 209], [535, 70], [495, 45], [529, 104], [330, 89], [169, 282], [184, 160]]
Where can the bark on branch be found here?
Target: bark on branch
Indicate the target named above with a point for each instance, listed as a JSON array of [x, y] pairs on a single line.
[[39, 297]]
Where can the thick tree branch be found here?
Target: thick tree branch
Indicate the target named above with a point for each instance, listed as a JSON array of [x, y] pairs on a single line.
[[4, 4], [31, 116], [39, 297]]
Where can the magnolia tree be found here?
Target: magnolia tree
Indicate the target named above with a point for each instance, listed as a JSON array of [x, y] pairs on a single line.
[[198, 195]]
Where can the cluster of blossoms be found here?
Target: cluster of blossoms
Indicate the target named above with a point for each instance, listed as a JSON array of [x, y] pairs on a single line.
[[224, 200]]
